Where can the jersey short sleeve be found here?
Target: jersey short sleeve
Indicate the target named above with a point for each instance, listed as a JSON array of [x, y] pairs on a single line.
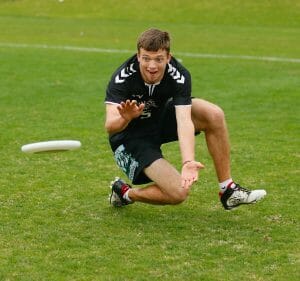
[[117, 89], [181, 82]]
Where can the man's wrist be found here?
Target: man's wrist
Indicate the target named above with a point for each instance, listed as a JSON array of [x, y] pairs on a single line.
[[125, 119], [186, 161]]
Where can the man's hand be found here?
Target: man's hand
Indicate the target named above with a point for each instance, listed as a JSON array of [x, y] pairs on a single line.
[[130, 109], [189, 173]]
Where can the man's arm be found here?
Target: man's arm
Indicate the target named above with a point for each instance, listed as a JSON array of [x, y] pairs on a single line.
[[186, 137], [186, 132], [118, 116]]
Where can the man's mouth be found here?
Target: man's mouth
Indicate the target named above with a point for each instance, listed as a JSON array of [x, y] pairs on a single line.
[[152, 73]]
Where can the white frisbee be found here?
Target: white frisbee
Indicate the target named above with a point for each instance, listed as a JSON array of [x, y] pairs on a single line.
[[51, 146]]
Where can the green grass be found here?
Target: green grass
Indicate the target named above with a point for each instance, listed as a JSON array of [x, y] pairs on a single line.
[[55, 221]]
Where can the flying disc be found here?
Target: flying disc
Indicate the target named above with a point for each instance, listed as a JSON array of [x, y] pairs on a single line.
[[51, 146]]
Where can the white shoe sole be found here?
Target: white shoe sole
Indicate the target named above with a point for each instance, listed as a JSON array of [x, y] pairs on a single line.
[[255, 196]]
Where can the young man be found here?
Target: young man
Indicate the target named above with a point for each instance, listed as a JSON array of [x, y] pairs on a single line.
[[148, 103]]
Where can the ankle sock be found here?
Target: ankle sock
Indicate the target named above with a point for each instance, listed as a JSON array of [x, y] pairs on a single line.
[[126, 197], [225, 184]]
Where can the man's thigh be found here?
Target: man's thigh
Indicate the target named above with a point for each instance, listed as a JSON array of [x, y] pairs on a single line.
[[203, 113], [164, 175]]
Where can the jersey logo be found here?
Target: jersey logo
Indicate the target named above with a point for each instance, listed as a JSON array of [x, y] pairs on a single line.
[[147, 112], [124, 73], [175, 74], [138, 96]]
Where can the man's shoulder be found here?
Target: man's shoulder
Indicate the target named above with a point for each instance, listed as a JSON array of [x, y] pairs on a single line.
[[177, 72], [128, 69]]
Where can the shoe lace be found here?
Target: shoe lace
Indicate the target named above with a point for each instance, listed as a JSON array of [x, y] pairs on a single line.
[[240, 188], [238, 195]]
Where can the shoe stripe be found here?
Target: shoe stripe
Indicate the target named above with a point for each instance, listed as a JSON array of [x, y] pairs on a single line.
[[230, 184]]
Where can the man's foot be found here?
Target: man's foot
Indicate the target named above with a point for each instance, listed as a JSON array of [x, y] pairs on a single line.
[[118, 189], [233, 197]]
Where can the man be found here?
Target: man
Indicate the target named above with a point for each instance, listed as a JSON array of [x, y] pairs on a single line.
[[148, 103]]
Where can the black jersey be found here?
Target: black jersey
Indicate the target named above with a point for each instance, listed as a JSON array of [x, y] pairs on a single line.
[[127, 84]]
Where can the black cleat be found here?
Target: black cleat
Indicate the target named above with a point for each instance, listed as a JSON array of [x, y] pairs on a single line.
[[118, 189], [233, 197]]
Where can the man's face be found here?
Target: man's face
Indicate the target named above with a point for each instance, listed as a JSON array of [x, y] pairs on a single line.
[[153, 64]]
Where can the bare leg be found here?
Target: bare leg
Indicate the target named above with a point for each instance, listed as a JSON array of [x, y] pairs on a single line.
[[210, 118], [166, 188]]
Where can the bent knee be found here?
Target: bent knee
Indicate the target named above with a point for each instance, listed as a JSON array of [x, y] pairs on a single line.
[[218, 115], [178, 196]]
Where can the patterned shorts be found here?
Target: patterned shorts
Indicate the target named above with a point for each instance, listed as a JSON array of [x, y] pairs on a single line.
[[134, 155]]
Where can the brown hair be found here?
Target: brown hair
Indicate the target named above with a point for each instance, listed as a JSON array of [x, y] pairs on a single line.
[[153, 40]]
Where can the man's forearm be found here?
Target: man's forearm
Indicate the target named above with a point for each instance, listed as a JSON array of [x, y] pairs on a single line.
[[186, 137], [116, 125]]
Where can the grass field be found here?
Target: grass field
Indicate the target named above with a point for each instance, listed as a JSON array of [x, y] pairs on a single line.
[[55, 221]]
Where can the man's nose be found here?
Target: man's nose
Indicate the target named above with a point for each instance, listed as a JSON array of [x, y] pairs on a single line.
[[152, 64]]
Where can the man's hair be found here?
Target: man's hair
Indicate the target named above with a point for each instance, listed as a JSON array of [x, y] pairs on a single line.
[[154, 39]]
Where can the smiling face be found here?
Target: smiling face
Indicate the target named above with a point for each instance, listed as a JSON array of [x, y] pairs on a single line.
[[153, 64]]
